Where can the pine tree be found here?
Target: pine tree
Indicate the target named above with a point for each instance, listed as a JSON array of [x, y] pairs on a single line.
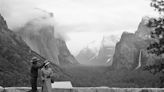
[[157, 35], [157, 47]]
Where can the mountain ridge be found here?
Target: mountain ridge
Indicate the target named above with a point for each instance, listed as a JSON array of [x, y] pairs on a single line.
[[127, 50], [15, 56], [39, 34]]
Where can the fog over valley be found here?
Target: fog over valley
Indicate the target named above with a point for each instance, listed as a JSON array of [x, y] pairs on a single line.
[[79, 22], [86, 43]]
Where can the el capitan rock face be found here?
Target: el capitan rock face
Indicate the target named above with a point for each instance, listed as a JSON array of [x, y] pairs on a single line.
[[39, 35], [15, 56], [127, 50]]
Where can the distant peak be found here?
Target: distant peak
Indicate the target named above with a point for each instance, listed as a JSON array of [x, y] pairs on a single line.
[[145, 20], [3, 22], [143, 30], [125, 33]]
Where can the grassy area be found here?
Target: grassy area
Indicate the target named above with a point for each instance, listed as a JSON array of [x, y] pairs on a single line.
[[97, 76]]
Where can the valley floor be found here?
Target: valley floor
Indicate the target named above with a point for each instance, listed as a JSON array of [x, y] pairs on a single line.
[[103, 76]]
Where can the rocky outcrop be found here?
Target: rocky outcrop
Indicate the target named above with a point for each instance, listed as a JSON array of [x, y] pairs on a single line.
[[143, 30], [39, 35], [64, 56], [3, 22], [128, 48], [127, 51], [15, 56]]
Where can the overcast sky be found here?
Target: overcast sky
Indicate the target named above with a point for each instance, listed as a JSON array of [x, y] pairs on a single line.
[[81, 21]]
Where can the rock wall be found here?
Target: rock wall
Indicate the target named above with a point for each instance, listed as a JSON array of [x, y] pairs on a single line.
[[39, 34], [41, 40], [15, 56], [64, 56], [127, 50], [86, 89]]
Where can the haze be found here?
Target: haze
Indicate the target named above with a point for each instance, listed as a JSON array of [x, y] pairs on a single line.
[[80, 21]]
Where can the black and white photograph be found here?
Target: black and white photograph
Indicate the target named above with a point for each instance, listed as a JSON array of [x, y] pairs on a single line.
[[81, 45]]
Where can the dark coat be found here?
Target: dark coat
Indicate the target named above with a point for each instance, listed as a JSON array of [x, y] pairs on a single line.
[[34, 70]]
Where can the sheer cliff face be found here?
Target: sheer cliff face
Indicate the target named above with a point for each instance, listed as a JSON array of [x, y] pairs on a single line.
[[128, 48], [64, 55], [41, 40], [127, 51], [15, 56], [39, 35]]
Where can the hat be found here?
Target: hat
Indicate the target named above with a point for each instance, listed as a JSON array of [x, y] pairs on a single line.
[[47, 63], [34, 59]]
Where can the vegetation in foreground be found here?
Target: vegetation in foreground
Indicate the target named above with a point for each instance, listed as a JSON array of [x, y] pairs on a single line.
[[102, 76]]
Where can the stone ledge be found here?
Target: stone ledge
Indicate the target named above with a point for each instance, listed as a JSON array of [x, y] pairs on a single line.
[[85, 89]]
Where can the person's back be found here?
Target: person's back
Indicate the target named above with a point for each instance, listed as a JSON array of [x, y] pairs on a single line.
[[34, 73], [34, 70]]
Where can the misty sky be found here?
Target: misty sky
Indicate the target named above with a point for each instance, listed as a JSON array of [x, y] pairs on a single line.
[[80, 21]]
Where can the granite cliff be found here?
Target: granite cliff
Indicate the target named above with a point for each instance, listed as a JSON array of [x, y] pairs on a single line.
[[128, 49], [15, 56], [39, 34]]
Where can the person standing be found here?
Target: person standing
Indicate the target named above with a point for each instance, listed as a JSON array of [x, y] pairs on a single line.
[[34, 73], [46, 74]]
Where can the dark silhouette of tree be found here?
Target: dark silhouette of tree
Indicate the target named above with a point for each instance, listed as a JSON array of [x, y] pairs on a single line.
[[157, 45], [158, 5]]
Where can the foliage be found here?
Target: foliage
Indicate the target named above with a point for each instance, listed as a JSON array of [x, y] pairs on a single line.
[[158, 5], [97, 76], [157, 45]]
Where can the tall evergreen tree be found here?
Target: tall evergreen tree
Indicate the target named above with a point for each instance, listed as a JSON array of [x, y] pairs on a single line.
[[157, 45]]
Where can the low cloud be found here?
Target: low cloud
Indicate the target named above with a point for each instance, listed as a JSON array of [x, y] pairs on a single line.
[[78, 15], [18, 13], [73, 16]]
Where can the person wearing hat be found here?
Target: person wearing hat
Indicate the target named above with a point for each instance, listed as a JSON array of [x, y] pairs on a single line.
[[46, 74], [34, 73]]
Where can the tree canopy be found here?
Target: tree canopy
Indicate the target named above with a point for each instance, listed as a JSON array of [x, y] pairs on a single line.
[[157, 45]]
